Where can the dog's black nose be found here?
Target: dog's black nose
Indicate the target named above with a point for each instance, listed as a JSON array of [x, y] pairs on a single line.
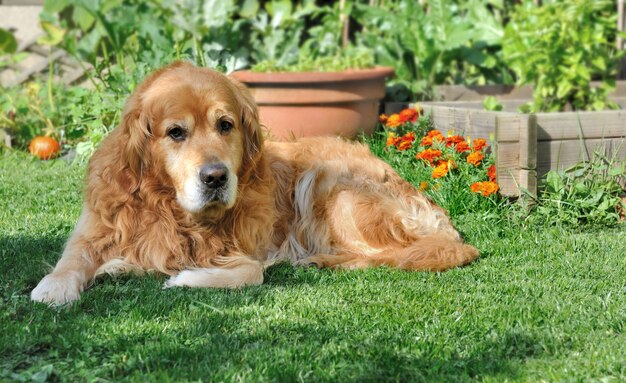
[[214, 176]]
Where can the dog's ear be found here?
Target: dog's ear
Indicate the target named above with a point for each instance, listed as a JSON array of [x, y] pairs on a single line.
[[252, 132], [135, 133]]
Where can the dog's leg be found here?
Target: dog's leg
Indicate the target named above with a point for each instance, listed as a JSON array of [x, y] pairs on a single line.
[[372, 227], [74, 271], [233, 272], [430, 253]]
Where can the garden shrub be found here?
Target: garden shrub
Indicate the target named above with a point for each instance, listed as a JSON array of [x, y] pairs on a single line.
[[77, 112], [435, 42], [559, 48], [589, 192], [305, 37]]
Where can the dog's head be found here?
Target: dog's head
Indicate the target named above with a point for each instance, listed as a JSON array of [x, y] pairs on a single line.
[[195, 127]]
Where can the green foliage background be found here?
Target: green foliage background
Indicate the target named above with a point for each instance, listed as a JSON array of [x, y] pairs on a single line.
[[559, 48]]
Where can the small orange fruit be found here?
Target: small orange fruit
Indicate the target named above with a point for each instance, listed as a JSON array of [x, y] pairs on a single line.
[[44, 147]]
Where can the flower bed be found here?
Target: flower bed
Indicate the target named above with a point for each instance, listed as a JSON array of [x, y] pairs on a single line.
[[439, 157], [528, 146]]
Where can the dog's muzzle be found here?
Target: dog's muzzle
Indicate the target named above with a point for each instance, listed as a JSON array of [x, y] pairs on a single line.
[[214, 179], [214, 176]]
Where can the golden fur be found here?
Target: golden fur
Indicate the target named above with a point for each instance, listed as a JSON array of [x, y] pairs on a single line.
[[317, 201]]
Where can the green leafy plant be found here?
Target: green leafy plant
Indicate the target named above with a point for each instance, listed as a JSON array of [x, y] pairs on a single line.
[[8, 43], [292, 45], [435, 42], [81, 113], [586, 193], [559, 48], [492, 103], [8, 50]]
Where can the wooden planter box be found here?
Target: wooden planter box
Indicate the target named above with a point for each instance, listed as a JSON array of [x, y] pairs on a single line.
[[527, 146]]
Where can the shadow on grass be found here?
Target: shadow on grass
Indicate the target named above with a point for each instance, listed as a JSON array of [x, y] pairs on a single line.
[[26, 259], [319, 352], [128, 327]]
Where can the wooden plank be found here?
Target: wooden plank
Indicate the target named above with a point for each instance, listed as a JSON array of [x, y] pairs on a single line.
[[474, 123], [528, 142], [473, 93], [503, 92], [507, 155], [561, 154], [528, 180], [565, 125], [510, 106], [508, 181], [508, 127], [507, 165], [446, 118]]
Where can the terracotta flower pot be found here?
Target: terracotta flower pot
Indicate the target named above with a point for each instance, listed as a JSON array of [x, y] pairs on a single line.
[[303, 104]]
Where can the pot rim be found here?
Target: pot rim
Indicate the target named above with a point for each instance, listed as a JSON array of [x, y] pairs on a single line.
[[247, 76]]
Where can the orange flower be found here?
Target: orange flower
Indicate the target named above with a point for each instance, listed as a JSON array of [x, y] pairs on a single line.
[[423, 185], [491, 173], [408, 115], [489, 188], [383, 118], [393, 121], [428, 155], [485, 188], [454, 140], [475, 158], [406, 141], [479, 144], [432, 135], [476, 187], [450, 163], [392, 139], [462, 147], [441, 170]]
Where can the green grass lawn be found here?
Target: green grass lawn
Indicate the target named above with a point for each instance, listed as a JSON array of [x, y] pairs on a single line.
[[542, 303]]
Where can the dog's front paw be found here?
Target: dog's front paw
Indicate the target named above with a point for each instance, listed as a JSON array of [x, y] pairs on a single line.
[[57, 289], [173, 281], [179, 280]]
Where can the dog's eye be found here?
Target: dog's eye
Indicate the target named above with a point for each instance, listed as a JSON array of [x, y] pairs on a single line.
[[177, 133], [225, 126]]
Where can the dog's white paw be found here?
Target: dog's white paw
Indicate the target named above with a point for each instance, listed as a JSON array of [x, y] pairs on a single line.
[[57, 289], [178, 280]]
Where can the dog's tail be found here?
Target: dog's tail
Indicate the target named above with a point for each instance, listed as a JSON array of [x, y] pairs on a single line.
[[434, 252]]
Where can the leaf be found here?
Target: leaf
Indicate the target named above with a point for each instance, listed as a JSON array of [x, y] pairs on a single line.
[[107, 5], [217, 13], [55, 6], [8, 43], [279, 10], [491, 103], [249, 9], [54, 34], [554, 181], [617, 171], [83, 18], [581, 188]]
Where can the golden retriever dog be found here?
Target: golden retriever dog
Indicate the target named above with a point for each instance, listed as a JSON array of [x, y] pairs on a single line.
[[186, 186]]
